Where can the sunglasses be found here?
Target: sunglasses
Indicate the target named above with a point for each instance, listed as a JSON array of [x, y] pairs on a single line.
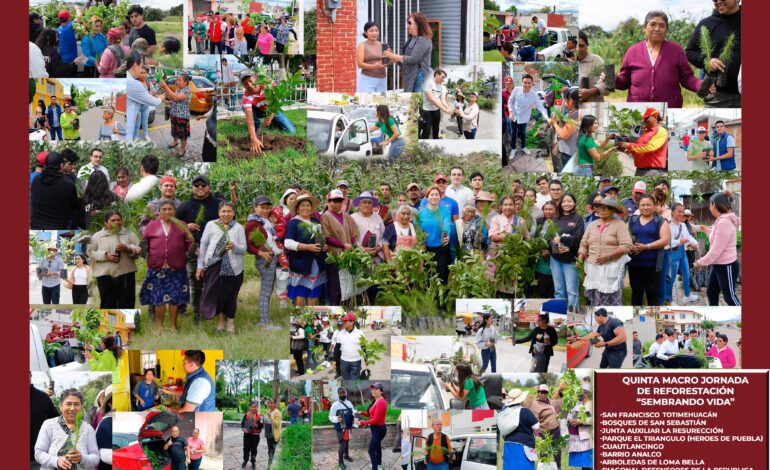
[[200, 185], [441, 182], [336, 200]]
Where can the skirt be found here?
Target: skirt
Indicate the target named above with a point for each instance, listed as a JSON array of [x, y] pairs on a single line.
[[601, 299], [220, 293], [307, 285], [165, 287], [180, 128], [515, 457], [583, 459]]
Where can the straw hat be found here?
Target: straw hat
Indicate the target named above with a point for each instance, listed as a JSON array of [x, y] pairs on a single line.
[[515, 397], [612, 204], [305, 197], [484, 196]]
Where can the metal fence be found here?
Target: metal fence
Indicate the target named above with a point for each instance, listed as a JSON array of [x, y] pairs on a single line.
[[231, 98]]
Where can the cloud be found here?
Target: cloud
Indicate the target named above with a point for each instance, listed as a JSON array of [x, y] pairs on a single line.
[[609, 14]]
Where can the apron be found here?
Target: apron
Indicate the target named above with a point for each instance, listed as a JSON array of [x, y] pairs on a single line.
[[405, 241]]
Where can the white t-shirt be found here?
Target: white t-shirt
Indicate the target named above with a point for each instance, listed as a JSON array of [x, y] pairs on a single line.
[[199, 390], [541, 29], [436, 90], [36, 62], [541, 199], [462, 196], [349, 341]]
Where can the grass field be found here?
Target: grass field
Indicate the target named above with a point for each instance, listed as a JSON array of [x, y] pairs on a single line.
[[493, 56], [166, 28]]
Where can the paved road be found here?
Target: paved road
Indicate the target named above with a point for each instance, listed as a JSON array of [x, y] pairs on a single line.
[[35, 288], [485, 131], [327, 459], [233, 449], [380, 370], [517, 359], [160, 134], [677, 159], [92, 119]]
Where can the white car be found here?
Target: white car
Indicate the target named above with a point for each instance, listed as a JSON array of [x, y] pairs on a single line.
[[416, 387], [38, 135], [469, 452], [335, 135], [557, 37]]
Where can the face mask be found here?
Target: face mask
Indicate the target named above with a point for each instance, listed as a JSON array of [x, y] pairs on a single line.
[[343, 397]]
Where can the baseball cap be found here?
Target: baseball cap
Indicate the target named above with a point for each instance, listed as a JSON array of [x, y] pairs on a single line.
[[203, 178], [167, 179], [342, 183], [64, 15], [687, 212], [40, 159], [640, 187], [412, 185], [702, 129], [335, 194], [440, 177], [650, 112], [610, 188], [377, 385], [349, 317], [605, 178], [543, 388], [262, 200]]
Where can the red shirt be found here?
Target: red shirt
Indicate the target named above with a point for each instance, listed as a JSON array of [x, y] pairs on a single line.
[[248, 28], [506, 96], [376, 413]]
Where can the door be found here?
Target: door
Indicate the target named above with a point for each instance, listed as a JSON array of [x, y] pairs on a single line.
[[480, 454], [354, 141], [435, 26]]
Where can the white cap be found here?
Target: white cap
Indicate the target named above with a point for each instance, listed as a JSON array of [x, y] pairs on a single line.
[[687, 212], [640, 187], [702, 129], [335, 194]]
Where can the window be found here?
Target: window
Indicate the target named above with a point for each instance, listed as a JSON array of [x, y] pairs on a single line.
[[354, 137], [682, 316], [113, 319], [148, 361], [482, 450], [50, 88]]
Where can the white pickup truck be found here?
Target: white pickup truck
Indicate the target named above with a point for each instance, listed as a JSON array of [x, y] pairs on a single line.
[[335, 135], [558, 38]]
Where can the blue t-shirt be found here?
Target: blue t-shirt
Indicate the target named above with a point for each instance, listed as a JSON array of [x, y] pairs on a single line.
[[647, 233], [433, 223], [527, 54], [68, 45], [293, 410]]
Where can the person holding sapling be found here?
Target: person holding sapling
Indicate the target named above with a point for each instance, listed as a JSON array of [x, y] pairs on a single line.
[[436, 223], [715, 46], [67, 441], [254, 106], [588, 151], [370, 225], [579, 421], [180, 111], [565, 126], [416, 53], [699, 151], [591, 69], [468, 386], [651, 234], [261, 237], [564, 250], [341, 233], [651, 147], [506, 223], [541, 340], [220, 266], [113, 251], [307, 258]]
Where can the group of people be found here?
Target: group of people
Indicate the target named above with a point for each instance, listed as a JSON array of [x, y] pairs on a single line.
[[672, 349], [254, 425], [340, 345], [435, 102], [227, 33], [184, 453], [343, 415], [656, 69]]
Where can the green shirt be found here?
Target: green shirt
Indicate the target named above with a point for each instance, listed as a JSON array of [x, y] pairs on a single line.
[[585, 143], [696, 147], [309, 330], [70, 133], [476, 396], [105, 362], [386, 129]]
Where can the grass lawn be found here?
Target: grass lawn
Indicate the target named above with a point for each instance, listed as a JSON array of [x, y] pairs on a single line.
[[166, 28], [236, 128], [493, 56], [295, 448]]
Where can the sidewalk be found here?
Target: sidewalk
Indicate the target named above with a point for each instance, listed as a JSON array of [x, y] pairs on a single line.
[[160, 134]]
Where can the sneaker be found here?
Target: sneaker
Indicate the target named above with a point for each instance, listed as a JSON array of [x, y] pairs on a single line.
[[271, 327], [526, 151], [692, 298], [309, 370], [348, 458]]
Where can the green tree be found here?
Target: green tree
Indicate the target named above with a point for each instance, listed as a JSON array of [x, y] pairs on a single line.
[[32, 89], [593, 31], [491, 5], [176, 11], [513, 9], [708, 324], [310, 32], [153, 14]]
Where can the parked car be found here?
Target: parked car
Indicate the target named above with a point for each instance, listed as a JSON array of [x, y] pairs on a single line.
[[335, 135], [202, 90], [416, 386], [491, 90], [579, 345], [123, 439], [152, 435], [38, 135], [469, 452]]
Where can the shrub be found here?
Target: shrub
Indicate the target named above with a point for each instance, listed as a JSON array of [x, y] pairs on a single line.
[[487, 104], [295, 448]]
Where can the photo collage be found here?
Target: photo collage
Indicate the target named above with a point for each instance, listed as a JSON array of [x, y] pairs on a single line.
[[276, 187]]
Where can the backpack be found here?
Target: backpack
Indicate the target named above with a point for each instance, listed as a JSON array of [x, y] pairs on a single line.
[[117, 51], [658, 221], [444, 446]]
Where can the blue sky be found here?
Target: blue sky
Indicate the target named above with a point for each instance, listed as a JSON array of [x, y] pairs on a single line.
[[102, 86], [562, 6]]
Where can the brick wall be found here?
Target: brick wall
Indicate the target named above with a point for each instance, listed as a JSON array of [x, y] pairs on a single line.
[[336, 48]]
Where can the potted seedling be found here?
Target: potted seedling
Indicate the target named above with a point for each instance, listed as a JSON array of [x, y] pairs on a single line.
[[714, 76], [370, 352], [72, 440]]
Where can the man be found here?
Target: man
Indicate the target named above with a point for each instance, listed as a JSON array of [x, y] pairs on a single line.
[[201, 199], [655, 348], [724, 21], [556, 191], [216, 30], [35, 27], [699, 151], [272, 430], [41, 408], [137, 94], [54, 199], [688, 344], [39, 166], [546, 415], [140, 29], [254, 106], [604, 182], [94, 164], [543, 194], [228, 80], [477, 183], [541, 30], [433, 103], [685, 142], [413, 190], [386, 208], [341, 233], [70, 123], [591, 67], [293, 410], [199, 389], [348, 340], [590, 208], [611, 191], [68, 43], [53, 115], [462, 195], [438, 448], [649, 151], [507, 120], [527, 53], [335, 350], [341, 415], [51, 267], [167, 187], [251, 425], [148, 170], [507, 50], [177, 449], [636, 347], [669, 348], [724, 148], [632, 203], [612, 338], [523, 99], [347, 203]]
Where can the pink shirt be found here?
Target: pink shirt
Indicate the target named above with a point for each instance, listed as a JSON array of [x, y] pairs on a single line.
[[727, 356], [722, 240], [265, 43], [195, 444]]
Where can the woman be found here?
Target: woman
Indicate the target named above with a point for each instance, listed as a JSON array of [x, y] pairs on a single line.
[[79, 279], [399, 235], [48, 42], [282, 36], [229, 34], [298, 344], [93, 45], [373, 77], [166, 284], [125, 29], [287, 201], [722, 351], [580, 447], [122, 183], [371, 228], [41, 121], [390, 131], [405, 450], [265, 41], [471, 231], [110, 128], [604, 250], [486, 337], [565, 131], [262, 244], [516, 425], [541, 339], [240, 45], [653, 69], [564, 250], [55, 449], [418, 51], [723, 254], [113, 251], [114, 55], [107, 359], [470, 117], [376, 422], [197, 449], [435, 222], [681, 239], [587, 150], [199, 33], [180, 111], [502, 225], [96, 198], [307, 252], [543, 274], [146, 392], [468, 386], [651, 234], [220, 266], [459, 106]]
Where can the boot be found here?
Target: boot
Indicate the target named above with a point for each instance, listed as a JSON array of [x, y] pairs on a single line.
[[243, 465], [221, 323], [231, 326], [254, 465]]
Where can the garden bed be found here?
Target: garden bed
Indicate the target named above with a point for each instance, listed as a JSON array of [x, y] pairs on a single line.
[[270, 143]]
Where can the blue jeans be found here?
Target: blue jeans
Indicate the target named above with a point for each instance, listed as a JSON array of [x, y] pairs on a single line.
[[51, 295], [375, 445], [419, 82], [350, 370], [293, 419], [508, 127], [145, 121], [396, 148], [470, 135], [565, 281], [521, 133], [368, 84], [665, 278], [279, 120], [310, 355], [195, 464], [219, 46], [488, 357], [51, 360], [584, 170], [56, 133], [678, 263], [438, 466], [544, 40]]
